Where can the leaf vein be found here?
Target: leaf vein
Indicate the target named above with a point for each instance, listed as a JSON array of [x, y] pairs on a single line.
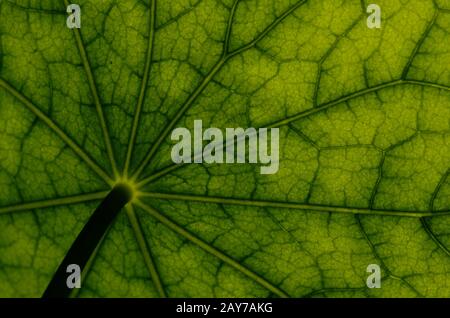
[[145, 251], [53, 126], [212, 250], [143, 89], [419, 45], [198, 91], [82, 198], [294, 206], [96, 97], [433, 237], [164, 171], [380, 259]]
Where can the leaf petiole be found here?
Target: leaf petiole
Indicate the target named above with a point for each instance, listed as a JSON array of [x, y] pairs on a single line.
[[88, 239]]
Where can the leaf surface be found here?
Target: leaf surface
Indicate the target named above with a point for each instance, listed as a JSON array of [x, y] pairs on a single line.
[[364, 146]]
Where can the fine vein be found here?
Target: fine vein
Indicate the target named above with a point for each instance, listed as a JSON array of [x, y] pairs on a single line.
[[226, 45], [433, 236], [269, 28], [380, 259], [418, 45]]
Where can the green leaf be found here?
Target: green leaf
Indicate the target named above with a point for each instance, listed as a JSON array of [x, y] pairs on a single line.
[[364, 146]]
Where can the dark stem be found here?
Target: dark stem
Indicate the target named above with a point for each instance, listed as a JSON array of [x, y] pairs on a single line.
[[88, 239]]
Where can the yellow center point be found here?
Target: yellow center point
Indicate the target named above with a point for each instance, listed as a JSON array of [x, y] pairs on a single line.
[[128, 187]]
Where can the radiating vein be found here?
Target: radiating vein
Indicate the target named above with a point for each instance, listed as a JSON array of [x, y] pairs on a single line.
[[145, 250], [212, 250], [144, 84], [310, 112], [41, 204], [94, 92], [359, 93], [161, 173], [169, 127], [204, 83], [53, 126], [286, 205]]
